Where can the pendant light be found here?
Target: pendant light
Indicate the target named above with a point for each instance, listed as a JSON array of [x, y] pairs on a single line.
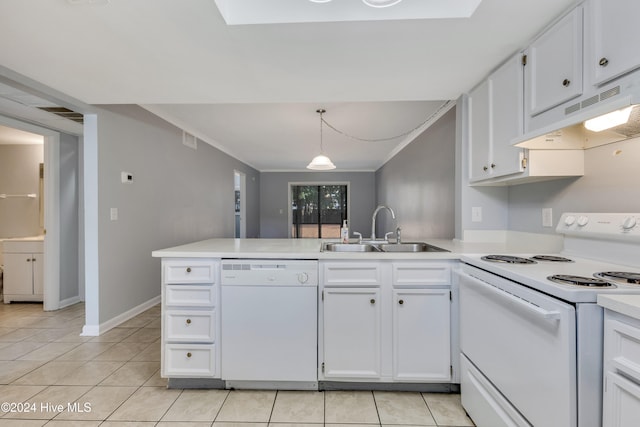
[[321, 162]]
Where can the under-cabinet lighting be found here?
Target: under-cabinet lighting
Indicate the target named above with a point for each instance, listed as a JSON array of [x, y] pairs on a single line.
[[609, 120]]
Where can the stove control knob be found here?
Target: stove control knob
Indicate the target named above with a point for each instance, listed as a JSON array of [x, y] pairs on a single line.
[[569, 220], [629, 223], [583, 220]]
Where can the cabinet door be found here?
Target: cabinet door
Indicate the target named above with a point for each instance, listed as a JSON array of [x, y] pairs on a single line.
[[507, 105], [553, 73], [38, 273], [352, 333], [479, 132], [18, 274], [621, 401], [615, 31], [421, 331]]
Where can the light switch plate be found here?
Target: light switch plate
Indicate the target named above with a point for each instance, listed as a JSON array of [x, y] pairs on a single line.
[[476, 214], [547, 217], [114, 214]]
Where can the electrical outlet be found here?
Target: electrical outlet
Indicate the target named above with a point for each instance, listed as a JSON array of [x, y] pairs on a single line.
[[114, 214], [476, 214], [547, 217]]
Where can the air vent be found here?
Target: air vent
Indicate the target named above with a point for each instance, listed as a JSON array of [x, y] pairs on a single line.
[[589, 101], [571, 109], [65, 113], [610, 93]]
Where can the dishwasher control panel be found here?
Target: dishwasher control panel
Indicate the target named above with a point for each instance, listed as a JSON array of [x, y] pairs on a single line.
[[269, 272]]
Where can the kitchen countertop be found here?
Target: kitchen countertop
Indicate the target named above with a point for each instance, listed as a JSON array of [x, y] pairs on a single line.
[[629, 305], [311, 249]]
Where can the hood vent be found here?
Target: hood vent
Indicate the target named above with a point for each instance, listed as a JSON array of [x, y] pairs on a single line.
[[65, 113], [570, 133]]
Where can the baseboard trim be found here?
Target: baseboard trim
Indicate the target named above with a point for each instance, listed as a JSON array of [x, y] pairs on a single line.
[[69, 301], [96, 330]]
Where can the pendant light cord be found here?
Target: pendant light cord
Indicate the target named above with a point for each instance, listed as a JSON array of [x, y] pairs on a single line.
[[322, 120]]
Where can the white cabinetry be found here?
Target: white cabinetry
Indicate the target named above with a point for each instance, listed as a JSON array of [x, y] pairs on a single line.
[[495, 118], [612, 31], [190, 318], [352, 333], [23, 270], [621, 397], [553, 71], [385, 321]]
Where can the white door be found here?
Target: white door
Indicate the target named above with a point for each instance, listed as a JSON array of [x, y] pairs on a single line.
[[421, 331], [37, 265], [615, 31], [553, 73], [352, 333], [18, 274], [479, 132], [621, 401]]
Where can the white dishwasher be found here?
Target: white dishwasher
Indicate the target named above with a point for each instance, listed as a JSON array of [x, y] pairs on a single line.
[[269, 324]]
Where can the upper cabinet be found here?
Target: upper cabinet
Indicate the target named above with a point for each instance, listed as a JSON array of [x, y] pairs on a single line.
[[495, 118], [553, 70], [612, 33]]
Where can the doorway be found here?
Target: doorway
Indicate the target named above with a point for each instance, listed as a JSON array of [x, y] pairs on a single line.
[[240, 205], [318, 210]]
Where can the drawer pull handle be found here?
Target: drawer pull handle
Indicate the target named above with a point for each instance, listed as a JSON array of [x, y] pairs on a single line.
[[188, 321], [566, 82], [401, 302], [188, 269], [189, 354], [372, 301]]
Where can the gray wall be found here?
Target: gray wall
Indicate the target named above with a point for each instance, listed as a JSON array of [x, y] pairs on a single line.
[[610, 184], [178, 195], [69, 218], [19, 174], [274, 197], [419, 184]]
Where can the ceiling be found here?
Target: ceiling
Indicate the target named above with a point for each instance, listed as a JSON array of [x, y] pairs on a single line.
[[11, 136], [253, 90]]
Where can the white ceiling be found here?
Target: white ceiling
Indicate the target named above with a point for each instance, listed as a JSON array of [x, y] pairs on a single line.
[[253, 89]]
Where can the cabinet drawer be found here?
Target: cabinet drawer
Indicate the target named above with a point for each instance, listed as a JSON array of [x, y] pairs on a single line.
[[352, 274], [189, 326], [189, 360], [23, 247], [622, 347], [189, 271], [190, 295], [412, 274]]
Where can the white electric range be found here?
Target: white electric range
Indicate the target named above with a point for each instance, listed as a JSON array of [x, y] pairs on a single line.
[[530, 328]]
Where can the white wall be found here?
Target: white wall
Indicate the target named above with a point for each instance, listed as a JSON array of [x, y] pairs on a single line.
[[610, 184], [178, 195]]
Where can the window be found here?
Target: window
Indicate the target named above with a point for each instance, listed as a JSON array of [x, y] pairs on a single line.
[[317, 211]]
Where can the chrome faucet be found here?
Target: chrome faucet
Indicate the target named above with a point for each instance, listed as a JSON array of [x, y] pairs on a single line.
[[373, 219]]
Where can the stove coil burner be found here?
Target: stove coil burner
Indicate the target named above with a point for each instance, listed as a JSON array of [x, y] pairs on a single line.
[[579, 281], [551, 258], [621, 276], [507, 259]]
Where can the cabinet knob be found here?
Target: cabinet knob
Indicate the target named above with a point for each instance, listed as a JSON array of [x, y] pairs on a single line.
[[372, 301], [566, 82], [484, 168], [493, 165], [401, 302], [188, 321], [189, 354], [28, 259], [188, 269], [603, 62]]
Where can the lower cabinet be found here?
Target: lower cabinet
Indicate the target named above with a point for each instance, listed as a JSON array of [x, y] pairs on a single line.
[[621, 394], [421, 326], [352, 335], [23, 271], [190, 318], [395, 329]]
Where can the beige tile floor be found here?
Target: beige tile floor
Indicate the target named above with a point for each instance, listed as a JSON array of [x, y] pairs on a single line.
[[55, 377]]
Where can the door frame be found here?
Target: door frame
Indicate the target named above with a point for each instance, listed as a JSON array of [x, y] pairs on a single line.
[[51, 283], [242, 187], [315, 183]]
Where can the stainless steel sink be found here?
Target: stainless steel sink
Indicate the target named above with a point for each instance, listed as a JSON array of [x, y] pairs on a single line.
[[382, 247], [350, 247], [411, 247]]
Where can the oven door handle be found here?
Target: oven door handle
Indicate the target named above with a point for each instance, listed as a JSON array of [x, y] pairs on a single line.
[[516, 301]]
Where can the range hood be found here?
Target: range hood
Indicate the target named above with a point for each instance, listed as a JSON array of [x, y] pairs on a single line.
[[570, 133]]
